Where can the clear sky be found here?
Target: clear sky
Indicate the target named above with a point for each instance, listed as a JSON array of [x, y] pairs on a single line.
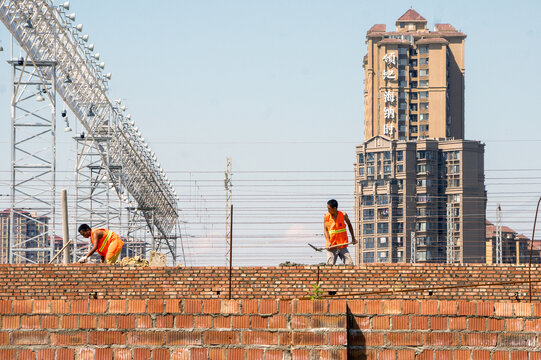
[[277, 86]]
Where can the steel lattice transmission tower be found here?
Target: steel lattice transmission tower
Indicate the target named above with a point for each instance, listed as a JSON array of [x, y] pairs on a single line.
[[113, 160], [228, 195]]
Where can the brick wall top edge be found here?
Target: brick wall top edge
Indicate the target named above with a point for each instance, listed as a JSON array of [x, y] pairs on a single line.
[[321, 267]]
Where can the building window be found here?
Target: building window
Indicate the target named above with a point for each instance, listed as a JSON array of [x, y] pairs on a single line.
[[423, 127], [368, 229], [368, 214], [413, 62], [423, 61], [398, 212], [383, 228], [413, 107], [368, 257], [368, 200], [423, 117], [423, 94], [413, 117], [423, 72], [413, 84], [421, 255], [398, 227], [383, 256], [420, 226], [386, 155], [413, 129], [382, 199], [361, 158], [403, 61], [402, 84], [402, 72], [386, 169], [424, 106], [423, 83], [398, 241], [361, 171], [402, 50], [402, 106], [400, 168], [383, 241], [423, 49], [383, 213], [369, 243], [370, 170], [399, 155], [370, 157], [399, 256]]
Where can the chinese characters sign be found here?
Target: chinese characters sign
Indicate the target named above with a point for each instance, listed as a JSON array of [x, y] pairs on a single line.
[[389, 96]]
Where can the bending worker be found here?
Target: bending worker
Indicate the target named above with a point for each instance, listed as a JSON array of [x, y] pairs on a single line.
[[336, 234], [107, 243]]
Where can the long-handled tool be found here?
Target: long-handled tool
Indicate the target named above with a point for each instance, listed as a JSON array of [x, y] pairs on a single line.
[[330, 247], [60, 251]]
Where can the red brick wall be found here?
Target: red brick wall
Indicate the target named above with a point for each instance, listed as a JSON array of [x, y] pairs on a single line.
[[269, 329], [82, 281], [173, 329]]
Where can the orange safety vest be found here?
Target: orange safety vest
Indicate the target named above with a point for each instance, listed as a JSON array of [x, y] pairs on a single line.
[[337, 230], [105, 240]]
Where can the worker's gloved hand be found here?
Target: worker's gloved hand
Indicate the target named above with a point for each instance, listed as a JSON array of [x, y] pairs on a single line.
[[83, 259]]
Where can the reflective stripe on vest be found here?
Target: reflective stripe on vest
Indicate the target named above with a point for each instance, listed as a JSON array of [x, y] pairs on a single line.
[[337, 231], [106, 240]]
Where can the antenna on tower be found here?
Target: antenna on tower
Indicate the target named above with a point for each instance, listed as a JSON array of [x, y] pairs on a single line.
[[228, 193], [499, 255]]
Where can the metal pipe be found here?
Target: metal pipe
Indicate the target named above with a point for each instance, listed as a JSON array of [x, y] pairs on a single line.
[[65, 226], [531, 249]]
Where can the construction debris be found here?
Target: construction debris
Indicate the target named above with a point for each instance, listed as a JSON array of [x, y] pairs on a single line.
[[156, 258], [134, 261]]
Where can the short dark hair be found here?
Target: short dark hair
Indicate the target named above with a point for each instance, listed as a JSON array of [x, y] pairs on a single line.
[[84, 227], [332, 203]]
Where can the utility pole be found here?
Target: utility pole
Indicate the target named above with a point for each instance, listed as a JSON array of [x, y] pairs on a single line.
[[499, 255], [413, 245], [450, 237], [228, 211]]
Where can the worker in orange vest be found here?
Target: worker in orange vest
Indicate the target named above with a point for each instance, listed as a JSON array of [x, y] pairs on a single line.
[[336, 234], [106, 242]]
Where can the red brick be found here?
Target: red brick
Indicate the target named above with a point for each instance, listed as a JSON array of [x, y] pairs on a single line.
[[203, 321], [419, 323], [392, 307], [180, 354], [466, 308], [517, 340], [69, 339], [161, 354], [155, 306], [410, 307], [381, 322], [426, 355], [448, 308], [429, 307], [230, 307], [496, 324], [60, 306], [303, 307], [278, 322], [222, 322], [22, 306], [217, 353], [136, 306], [477, 324], [45, 354], [5, 306], [334, 322], [500, 355], [457, 323], [339, 338], [300, 354], [533, 325], [285, 306], [337, 306], [212, 306], [212, 337], [479, 339], [284, 338], [462, 354], [41, 307], [335, 354], [403, 338], [30, 322], [88, 321], [250, 307], [107, 338], [173, 305], [254, 354], [485, 309], [8, 354], [144, 322], [443, 354], [164, 321], [400, 322], [11, 322], [235, 354], [117, 306], [107, 322], [29, 338], [514, 324], [438, 323], [357, 322], [387, 355], [320, 307], [123, 354], [356, 307], [519, 355], [198, 354], [308, 338], [405, 354], [440, 339], [4, 338], [193, 306], [273, 355], [27, 355], [184, 321], [146, 338], [69, 322], [79, 306], [259, 338], [374, 306], [502, 309], [126, 321], [523, 309], [142, 354], [183, 338], [481, 354], [297, 322], [65, 354], [103, 354]]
